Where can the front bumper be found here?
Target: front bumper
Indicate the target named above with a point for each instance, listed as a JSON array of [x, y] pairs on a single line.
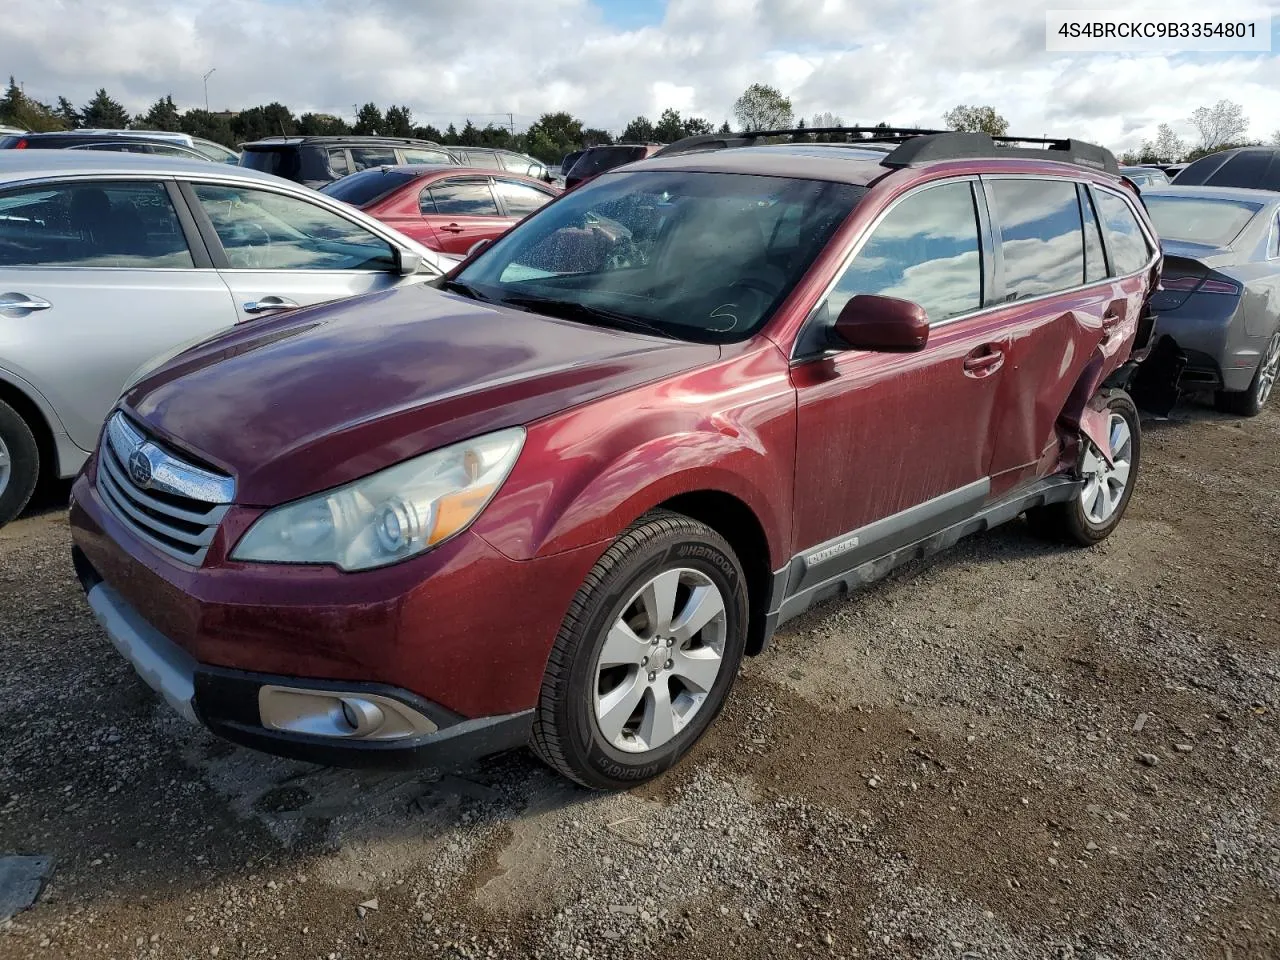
[[228, 701]]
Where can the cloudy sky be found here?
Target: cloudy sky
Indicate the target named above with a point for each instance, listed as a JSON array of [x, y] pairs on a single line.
[[606, 61]]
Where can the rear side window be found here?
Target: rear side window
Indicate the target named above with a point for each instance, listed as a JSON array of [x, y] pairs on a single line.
[[417, 156], [926, 250], [1273, 243], [1041, 241], [109, 224], [1095, 259], [520, 198], [338, 161], [365, 187], [516, 163], [362, 158], [281, 163], [460, 198], [1127, 245]]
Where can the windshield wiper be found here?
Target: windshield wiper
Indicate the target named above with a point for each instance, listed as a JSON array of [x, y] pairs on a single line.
[[457, 286], [572, 310]]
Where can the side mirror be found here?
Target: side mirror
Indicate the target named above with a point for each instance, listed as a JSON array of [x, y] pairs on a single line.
[[407, 262], [870, 322], [477, 247]]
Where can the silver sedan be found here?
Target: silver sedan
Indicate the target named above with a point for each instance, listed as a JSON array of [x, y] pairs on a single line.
[[107, 260]]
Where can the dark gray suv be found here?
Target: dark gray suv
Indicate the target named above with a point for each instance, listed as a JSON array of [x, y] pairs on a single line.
[[315, 161]]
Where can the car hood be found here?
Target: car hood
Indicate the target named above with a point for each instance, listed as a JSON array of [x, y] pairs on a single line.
[[306, 401]]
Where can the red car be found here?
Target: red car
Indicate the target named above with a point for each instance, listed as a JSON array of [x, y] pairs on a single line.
[[556, 500], [447, 208]]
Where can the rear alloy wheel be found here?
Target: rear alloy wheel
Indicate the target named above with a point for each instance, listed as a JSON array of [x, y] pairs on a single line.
[[646, 655], [1249, 403], [1107, 481], [19, 463]]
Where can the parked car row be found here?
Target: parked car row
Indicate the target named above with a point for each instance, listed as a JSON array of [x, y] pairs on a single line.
[[648, 412]]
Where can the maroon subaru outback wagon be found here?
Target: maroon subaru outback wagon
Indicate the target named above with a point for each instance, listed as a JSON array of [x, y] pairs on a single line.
[[556, 499]]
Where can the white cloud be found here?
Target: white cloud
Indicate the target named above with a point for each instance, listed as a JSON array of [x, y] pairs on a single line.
[[903, 63]]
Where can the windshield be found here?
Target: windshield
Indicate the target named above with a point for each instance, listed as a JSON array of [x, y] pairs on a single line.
[[701, 256], [365, 187], [1199, 219]]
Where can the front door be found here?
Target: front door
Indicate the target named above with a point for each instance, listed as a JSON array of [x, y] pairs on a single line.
[[893, 446], [279, 251], [97, 277], [461, 211]]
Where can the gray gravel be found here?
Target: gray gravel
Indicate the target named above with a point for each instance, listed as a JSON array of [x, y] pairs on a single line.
[[1014, 750]]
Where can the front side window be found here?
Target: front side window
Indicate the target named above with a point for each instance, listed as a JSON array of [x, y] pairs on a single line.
[[926, 250], [362, 158], [1127, 245], [695, 255], [260, 230], [460, 198], [520, 198], [1041, 240], [85, 224]]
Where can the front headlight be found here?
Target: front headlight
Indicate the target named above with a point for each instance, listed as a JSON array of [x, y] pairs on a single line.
[[391, 515]]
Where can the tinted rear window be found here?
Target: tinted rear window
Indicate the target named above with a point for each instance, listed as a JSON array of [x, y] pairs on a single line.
[[367, 186], [1200, 219], [282, 163], [606, 158]]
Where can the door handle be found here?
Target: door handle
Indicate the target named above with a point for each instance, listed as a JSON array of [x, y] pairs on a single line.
[[21, 301], [1111, 320], [267, 304], [983, 361], [452, 228]]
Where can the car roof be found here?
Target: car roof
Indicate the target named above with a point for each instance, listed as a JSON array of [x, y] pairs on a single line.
[[26, 164], [840, 163], [338, 138], [1215, 193]]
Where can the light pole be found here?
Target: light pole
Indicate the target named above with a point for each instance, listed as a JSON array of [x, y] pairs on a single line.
[[206, 88]]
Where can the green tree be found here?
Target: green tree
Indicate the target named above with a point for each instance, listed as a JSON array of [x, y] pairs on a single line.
[[696, 126], [210, 126], [19, 110], [321, 125], [978, 119], [639, 130], [368, 121], [271, 120], [469, 135], [553, 135], [163, 115], [397, 122], [495, 136], [670, 127], [102, 112], [450, 138], [594, 136], [724, 128], [67, 113], [428, 133], [762, 107]]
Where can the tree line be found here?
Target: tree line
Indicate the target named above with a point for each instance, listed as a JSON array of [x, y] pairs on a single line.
[[552, 135]]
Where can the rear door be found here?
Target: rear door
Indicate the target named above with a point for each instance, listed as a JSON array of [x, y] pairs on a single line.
[[461, 211], [96, 277], [1051, 272], [894, 446], [277, 251], [517, 200]]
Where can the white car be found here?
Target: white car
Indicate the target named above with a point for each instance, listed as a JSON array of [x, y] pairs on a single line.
[[109, 259]]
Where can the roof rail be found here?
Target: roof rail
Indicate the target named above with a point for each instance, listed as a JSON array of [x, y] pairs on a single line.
[[916, 146]]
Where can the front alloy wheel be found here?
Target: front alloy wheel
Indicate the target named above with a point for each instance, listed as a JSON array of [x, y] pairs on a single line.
[[646, 654]]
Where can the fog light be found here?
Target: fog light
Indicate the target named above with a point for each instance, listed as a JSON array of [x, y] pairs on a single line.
[[339, 714]]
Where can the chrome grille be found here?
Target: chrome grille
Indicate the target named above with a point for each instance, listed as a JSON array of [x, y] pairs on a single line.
[[171, 504]]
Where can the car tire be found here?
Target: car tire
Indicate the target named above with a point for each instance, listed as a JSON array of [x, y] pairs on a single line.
[[1249, 403], [19, 463], [602, 716], [1098, 506]]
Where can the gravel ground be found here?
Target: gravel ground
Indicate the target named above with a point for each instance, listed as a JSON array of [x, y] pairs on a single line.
[[1013, 750]]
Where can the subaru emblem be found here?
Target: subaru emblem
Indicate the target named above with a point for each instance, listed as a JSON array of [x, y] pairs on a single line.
[[140, 469]]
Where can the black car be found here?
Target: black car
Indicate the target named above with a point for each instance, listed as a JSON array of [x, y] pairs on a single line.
[[1255, 168], [315, 161], [494, 159], [596, 160]]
